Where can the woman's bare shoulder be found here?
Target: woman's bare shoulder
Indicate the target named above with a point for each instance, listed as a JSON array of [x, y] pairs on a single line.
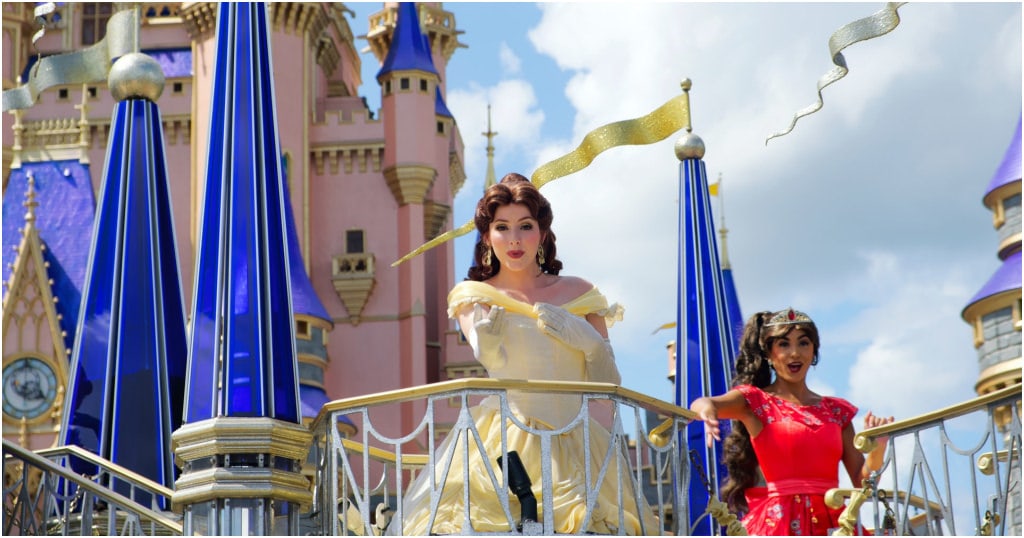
[[572, 285]]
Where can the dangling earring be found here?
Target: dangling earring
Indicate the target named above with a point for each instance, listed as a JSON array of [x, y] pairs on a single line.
[[540, 255], [487, 258]]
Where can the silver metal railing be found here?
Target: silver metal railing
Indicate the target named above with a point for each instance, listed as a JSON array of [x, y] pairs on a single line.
[[952, 471], [357, 476], [46, 497]]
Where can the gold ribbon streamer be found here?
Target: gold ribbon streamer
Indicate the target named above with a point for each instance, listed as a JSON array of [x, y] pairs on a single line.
[[879, 24], [88, 65], [654, 127]]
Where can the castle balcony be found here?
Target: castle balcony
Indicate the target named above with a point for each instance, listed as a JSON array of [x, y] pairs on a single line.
[[952, 471]]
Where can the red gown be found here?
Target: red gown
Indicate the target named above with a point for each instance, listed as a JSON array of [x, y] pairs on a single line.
[[799, 450]]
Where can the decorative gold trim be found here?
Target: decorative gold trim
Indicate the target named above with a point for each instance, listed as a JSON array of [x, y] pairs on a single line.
[[993, 303], [241, 483], [435, 214], [994, 199], [240, 435], [1005, 373], [365, 155], [865, 440], [409, 183], [987, 462]]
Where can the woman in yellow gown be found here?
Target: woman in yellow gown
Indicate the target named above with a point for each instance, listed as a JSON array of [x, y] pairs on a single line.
[[524, 321]]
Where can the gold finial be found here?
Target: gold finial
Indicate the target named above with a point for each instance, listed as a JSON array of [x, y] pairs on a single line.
[[490, 178], [686, 84], [722, 230], [30, 202]]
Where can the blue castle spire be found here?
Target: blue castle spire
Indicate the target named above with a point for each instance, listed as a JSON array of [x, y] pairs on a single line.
[[704, 339], [410, 48], [242, 411], [128, 365], [242, 355]]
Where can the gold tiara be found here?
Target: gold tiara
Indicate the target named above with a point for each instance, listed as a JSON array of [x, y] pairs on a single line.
[[788, 317]]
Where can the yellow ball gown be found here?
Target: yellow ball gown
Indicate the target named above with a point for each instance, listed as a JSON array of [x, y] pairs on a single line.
[[529, 354]]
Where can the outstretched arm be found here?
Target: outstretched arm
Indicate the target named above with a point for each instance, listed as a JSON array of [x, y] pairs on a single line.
[[731, 405], [858, 466]]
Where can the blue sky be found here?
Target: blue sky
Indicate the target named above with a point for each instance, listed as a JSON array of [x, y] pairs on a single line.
[[868, 216]]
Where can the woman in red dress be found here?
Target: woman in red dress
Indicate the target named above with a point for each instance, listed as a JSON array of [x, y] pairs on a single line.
[[793, 436]]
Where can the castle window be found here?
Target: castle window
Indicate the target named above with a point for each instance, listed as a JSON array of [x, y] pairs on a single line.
[[178, 87], [440, 127], [94, 21], [354, 241], [423, 85], [92, 92], [62, 94], [403, 83], [387, 87]]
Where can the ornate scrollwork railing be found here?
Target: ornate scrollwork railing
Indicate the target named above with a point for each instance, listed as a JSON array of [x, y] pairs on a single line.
[[955, 470], [44, 495], [356, 477]]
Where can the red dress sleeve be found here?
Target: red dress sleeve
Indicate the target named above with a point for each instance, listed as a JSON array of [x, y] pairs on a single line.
[[756, 400], [840, 411]]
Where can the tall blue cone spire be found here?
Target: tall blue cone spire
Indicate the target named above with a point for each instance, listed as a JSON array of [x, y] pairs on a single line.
[[242, 413], [704, 347], [242, 360], [128, 366]]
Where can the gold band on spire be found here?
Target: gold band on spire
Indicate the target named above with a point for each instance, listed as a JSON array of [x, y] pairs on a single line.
[[654, 127]]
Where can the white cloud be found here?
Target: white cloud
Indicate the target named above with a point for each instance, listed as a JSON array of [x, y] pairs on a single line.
[[874, 172], [510, 62], [515, 116]]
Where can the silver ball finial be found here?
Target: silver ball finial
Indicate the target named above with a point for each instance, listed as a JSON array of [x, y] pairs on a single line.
[[689, 146], [136, 75], [686, 84]]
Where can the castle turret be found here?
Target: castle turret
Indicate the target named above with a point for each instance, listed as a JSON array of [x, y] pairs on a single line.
[[995, 311]]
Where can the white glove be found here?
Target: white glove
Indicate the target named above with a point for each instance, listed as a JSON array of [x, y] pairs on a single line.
[[578, 333], [486, 336]]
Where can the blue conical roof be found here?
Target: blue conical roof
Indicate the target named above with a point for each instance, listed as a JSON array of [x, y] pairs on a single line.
[[128, 364], [242, 360], [1009, 169], [410, 48], [304, 298], [440, 108], [1006, 278], [732, 305], [64, 218]]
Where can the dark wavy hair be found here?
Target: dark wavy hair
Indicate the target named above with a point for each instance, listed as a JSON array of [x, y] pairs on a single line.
[[753, 368], [512, 189]]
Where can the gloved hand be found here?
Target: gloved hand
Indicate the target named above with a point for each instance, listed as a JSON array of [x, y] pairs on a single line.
[[486, 336], [578, 333]]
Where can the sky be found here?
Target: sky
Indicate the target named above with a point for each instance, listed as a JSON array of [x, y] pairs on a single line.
[[868, 216]]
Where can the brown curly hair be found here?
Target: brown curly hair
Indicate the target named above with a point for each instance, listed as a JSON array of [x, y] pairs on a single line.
[[753, 368], [512, 189]]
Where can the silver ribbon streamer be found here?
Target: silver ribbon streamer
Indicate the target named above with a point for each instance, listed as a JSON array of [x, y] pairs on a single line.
[[879, 24], [40, 13], [80, 67]]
